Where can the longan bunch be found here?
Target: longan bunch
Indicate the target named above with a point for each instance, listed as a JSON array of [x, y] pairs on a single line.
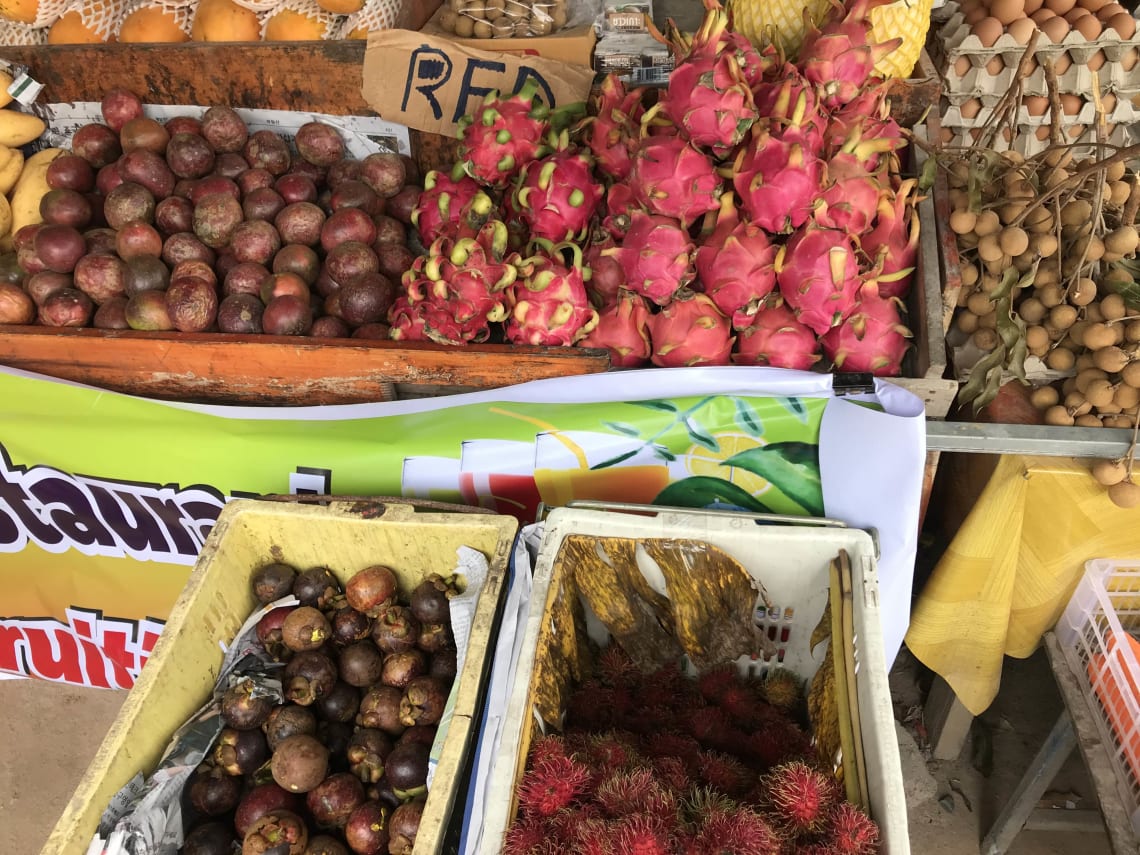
[[485, 19], [1116, 475]]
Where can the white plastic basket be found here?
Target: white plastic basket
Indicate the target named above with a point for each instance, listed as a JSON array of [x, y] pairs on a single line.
[[1099, 634], [793, 563]]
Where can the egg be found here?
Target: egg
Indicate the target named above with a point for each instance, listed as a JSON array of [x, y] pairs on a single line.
[[1042, 133], [1036, 105], [1062, 63], [1108, 10], [988, 31], [1021, 30], [976, 14], [1088, 26], [1041, 16], [970, 108], [1055, 29], [1108, 103], [966, 5], [1032, 6], [947, 136], [1071, 104], [1076, 131], [1074, 15], [1093, 5], [1060, 7], [1124, 24], [1129, 58], [1007, 11], [1096, 61], [995, 66], [962, 66]]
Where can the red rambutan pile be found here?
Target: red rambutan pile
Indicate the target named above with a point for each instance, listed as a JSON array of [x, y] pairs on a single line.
[[551, 785], [551, 745], [616, 668], [776, 743], [593, 837], [736, 832], [685, 748], [612, 750], [850, 831], [640, 834], [525, 838], [799, 797], [708, 725], [637, 791], [672, 774], [716, 681], [724, 773]]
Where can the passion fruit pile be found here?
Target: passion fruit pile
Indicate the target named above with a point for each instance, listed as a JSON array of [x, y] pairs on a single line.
[[341, 766]]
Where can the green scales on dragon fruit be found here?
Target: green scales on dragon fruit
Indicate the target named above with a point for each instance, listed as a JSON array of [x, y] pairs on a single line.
[[755, 214]]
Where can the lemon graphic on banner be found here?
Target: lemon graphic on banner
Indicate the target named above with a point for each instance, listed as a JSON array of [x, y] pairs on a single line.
[[700, 460]]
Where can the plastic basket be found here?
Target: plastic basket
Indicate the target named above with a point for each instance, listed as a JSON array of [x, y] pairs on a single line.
[[1099, 633], [792, 562]]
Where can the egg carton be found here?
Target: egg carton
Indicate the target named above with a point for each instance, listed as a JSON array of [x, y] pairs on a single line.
[[958, 39], [1077, 79], [1124, 112], [1026, 142]]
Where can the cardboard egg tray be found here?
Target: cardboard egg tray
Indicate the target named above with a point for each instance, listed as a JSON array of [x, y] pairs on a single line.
[[1078, 79], [1123, 113], [1027, 143]]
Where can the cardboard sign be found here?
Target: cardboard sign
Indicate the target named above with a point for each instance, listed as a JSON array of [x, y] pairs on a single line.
[[429, 83]]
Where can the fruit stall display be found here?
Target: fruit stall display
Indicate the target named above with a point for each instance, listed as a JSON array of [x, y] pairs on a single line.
[[333, 757], [612, 747]]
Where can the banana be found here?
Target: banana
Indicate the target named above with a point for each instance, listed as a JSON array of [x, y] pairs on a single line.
[[11, 165], [31, 187], [17, 129], [5, 82]]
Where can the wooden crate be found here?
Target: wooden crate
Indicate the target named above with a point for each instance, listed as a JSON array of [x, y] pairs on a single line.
[[181, 673]]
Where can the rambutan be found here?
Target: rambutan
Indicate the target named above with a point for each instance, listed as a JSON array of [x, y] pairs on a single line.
[[525, 837], [850, 831], [550, 745], [672, 773], [660, 695], [669, 677], [563, 826], [742, 703], [666, 744], [724, 773], [597, 707], [783, 689], [717, 680], [612, 750], [737, 832], [593, 836], [640, 834], [648, 720], [615, 667], [703, 802], [776, 743], [798, 796], [637, 791], [708, 725], [551, 785]]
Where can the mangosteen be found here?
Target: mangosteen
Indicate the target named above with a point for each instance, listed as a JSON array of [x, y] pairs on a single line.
[[401, 668], [361, 664], [299, 763], [324, 844], [367, 829], [308, 676], [242, 709], [435, 638], [423, 701], [335, 736], [272, 582], [316, 587], [372, 589], [396, 630], [306, 628], [259, 801], [444, 666], [367, 751], [333, 799], [240, 752], [380, 708], [404, 825], [424, 734], [279, 832], [210, 838], [429, 600], [212, 791], [288, 720], [349, 626], [382, 791], [406, 769], [269, 633], [341, 704]]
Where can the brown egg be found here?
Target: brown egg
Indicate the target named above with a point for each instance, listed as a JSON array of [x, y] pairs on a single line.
[[970, 108], [947, 136], [1071, 104], [1042, 15], [1096, 61], [995, 66], [1109, 9], [1108, 102], [1062, 63], [966, 5], [1075, 14], [976, 14], [1007, 11], [1055, 29], [1089, 27], [1060, 6], [1129, 58], [988, 31], [1124, 24], [1076, 131], [1093, 5], [1042, 133], [1021, 30], [1036, 105], [1032, 6], [962, 66]]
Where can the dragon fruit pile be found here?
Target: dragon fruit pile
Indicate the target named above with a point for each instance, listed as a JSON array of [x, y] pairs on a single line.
[[754, 214]]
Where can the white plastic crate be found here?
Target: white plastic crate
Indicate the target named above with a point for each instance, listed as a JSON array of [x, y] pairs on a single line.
[[1099, 633], [793, 563]]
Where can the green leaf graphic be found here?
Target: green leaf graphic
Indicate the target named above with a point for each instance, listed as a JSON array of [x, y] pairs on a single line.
[[665, 454], [700, 491], [663, 406], [698, 435], [790, 467], [748, 420], [623, 428], [614, 461], [796, 407]]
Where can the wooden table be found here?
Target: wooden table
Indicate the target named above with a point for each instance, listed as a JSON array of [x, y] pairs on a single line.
[[1075, 728]]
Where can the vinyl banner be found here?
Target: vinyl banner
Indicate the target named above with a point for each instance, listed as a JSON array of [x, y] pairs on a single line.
[[106, 499]]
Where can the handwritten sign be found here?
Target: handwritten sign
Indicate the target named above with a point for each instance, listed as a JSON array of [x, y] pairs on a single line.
[[430, 82]]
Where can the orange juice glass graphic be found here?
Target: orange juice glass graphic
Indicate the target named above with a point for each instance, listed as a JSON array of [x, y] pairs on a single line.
[[499, 474], [567, 468], [434, 478]]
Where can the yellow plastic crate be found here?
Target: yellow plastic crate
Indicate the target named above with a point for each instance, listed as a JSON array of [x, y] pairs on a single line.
[[345, 537]]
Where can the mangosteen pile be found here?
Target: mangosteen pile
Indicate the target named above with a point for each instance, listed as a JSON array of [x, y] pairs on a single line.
[[341, 766]]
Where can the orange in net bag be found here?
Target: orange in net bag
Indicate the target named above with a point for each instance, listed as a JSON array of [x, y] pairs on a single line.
[[19, 35], [225, 21], [35, 14], [375, 15], [157, 21], [87, 22], [299, 20], [1120, 700]]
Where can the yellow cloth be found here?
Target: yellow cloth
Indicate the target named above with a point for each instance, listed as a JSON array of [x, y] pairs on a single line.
[[1011, 568]]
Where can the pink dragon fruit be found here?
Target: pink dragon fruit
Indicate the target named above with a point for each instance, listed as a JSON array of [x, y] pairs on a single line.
[[606, 275], [622, 330], [423, 321], [873, 154], [442, 204], [734, 265], [656, 256], [873, 339], [777, 182], [557, 196], [892, 244], [850, 199], [870, 110], [838, 58], [549, 304], [791, 108], [673, 179], [690, 331], [776, 339], [503, 135], [620, 207], [612, 132], [818, 275]]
